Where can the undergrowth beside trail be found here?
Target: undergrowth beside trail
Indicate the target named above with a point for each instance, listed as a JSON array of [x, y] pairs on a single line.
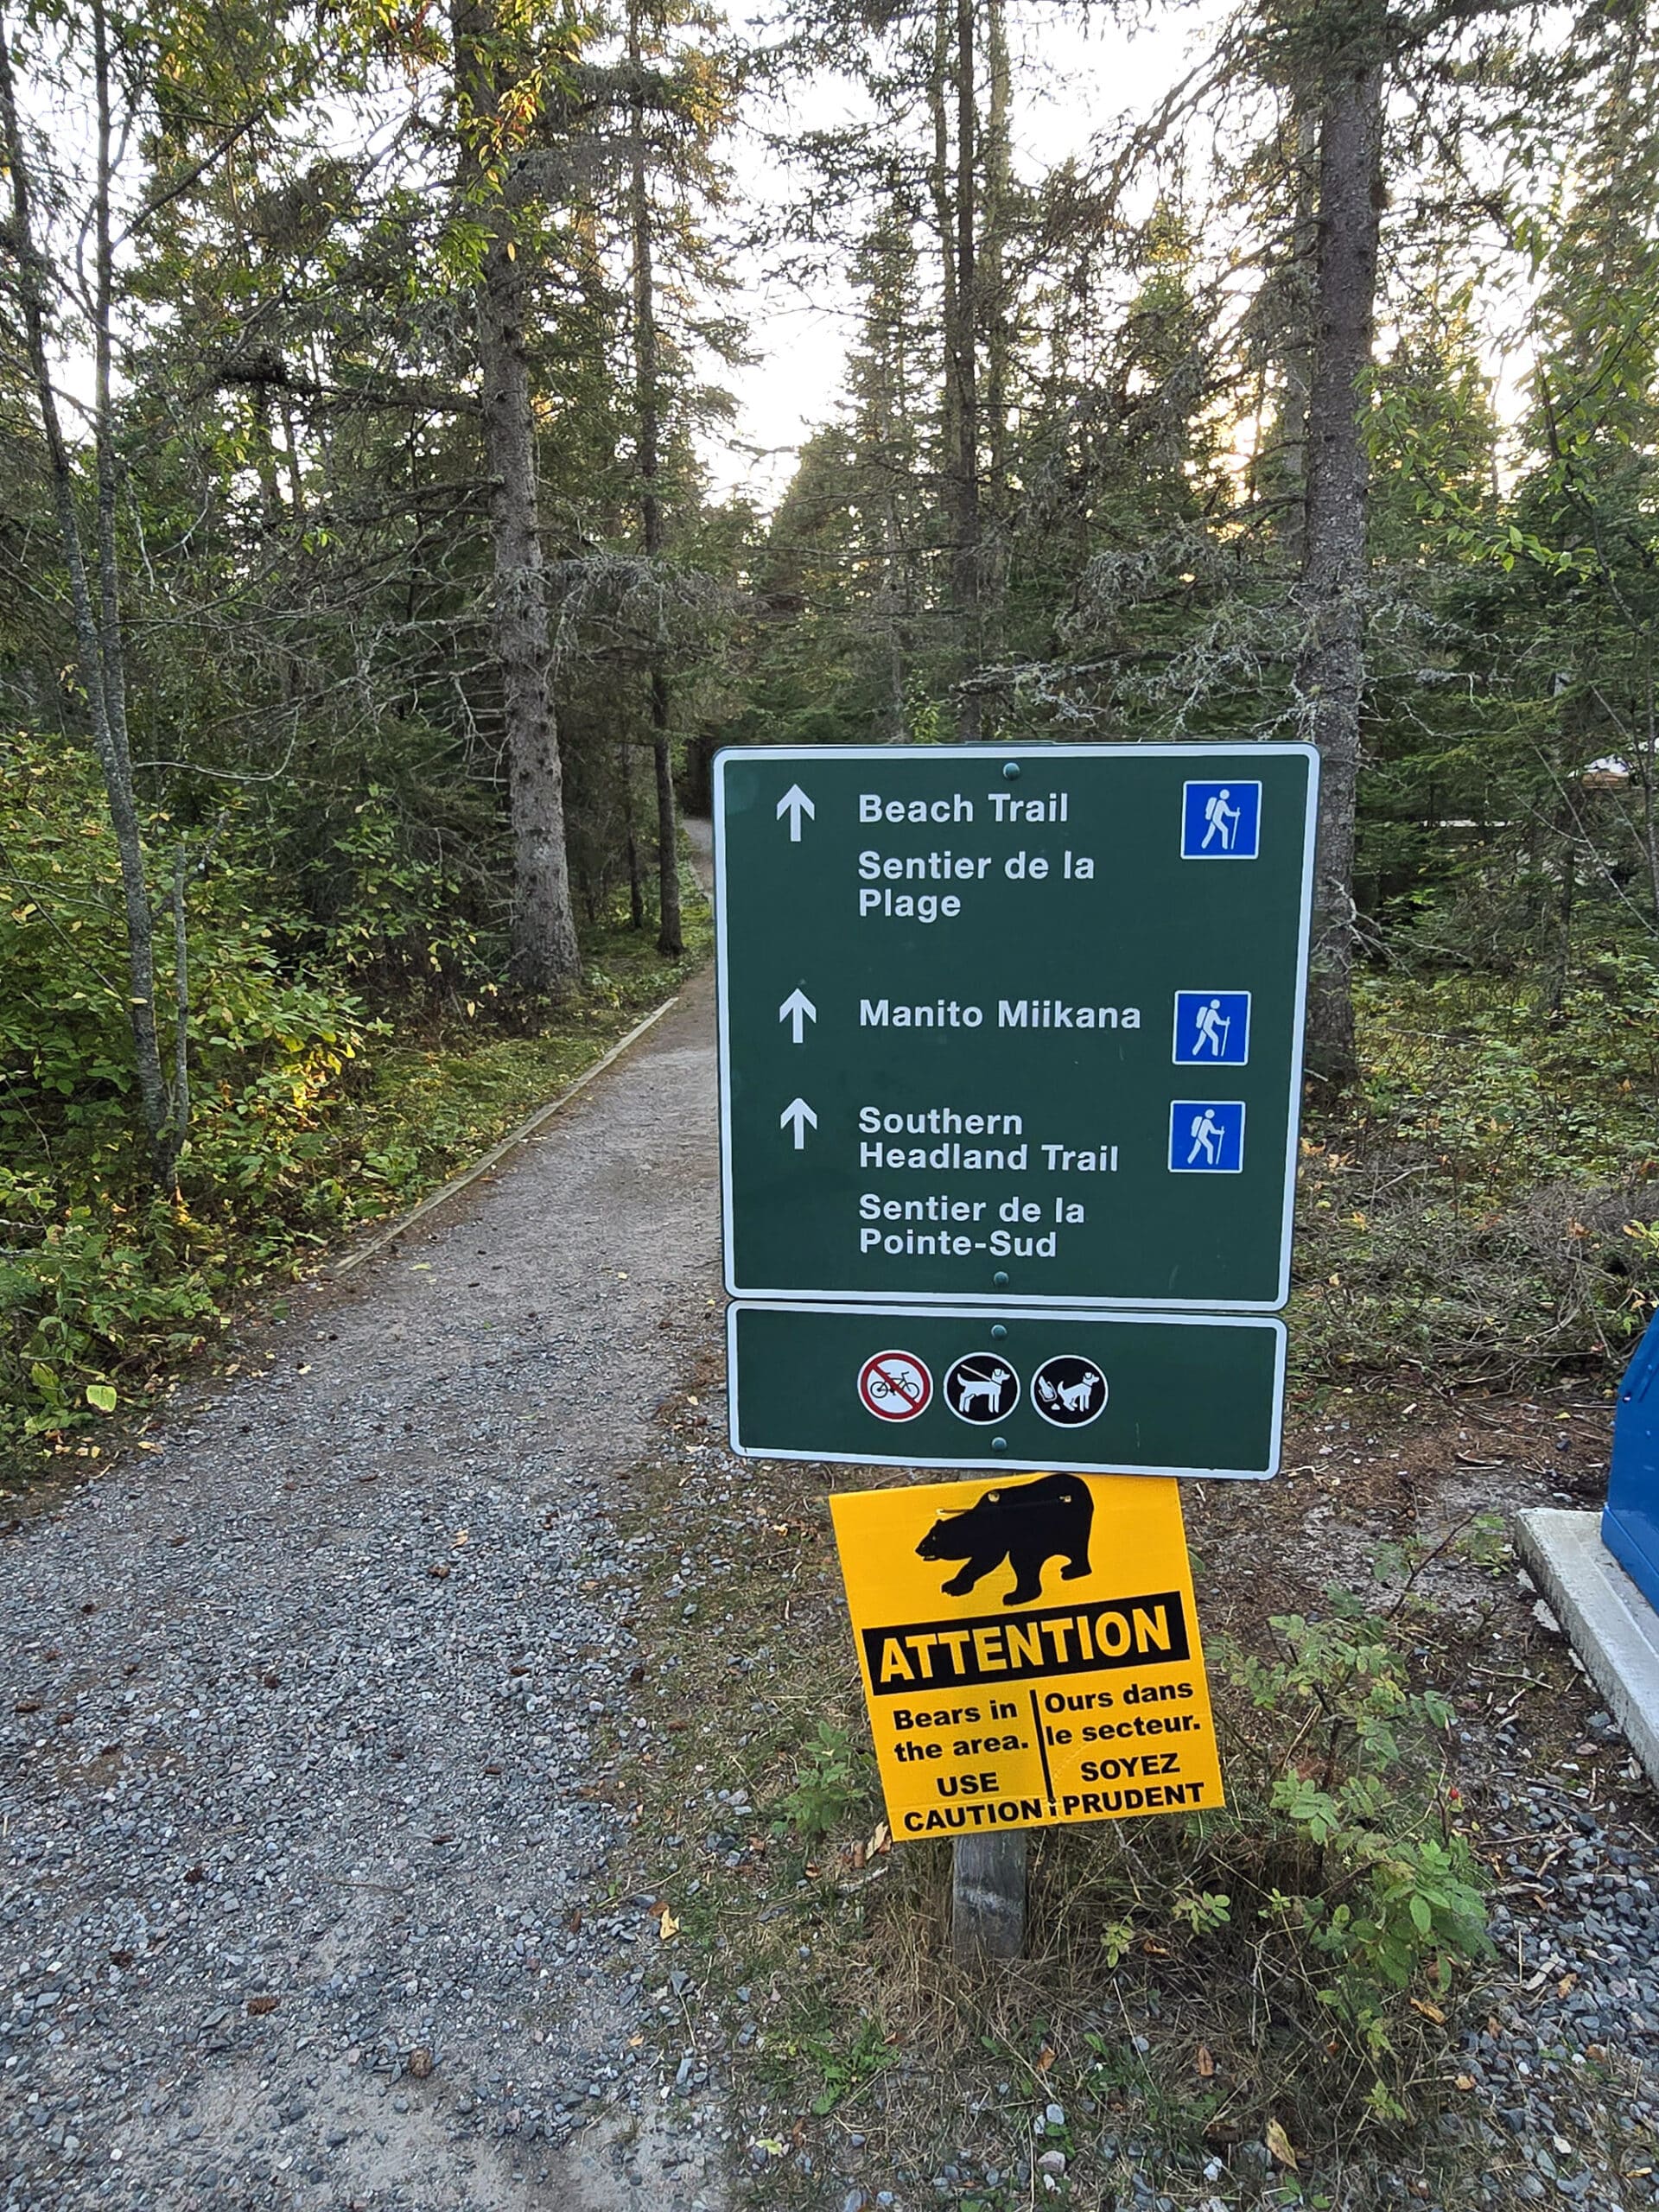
[[312, 1118], [1486, 1208], [1201, 1993]]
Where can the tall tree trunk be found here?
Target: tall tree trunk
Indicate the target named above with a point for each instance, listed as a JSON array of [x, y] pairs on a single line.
[[994, 321], [636, 880], [1330, 671], [1296, 345], [97, 626], [544, 955], [671, 937], [950, 182], [962, 345]]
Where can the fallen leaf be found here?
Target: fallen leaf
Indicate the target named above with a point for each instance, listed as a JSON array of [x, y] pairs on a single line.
[[1045, 2058], [1564, 1987], [439, 1570], [668, 1928], [1465, 2080], [882, 1840], [1429, 2011], [1279, 2144], [1206, 2065], [420, 2063], [262, 2004]]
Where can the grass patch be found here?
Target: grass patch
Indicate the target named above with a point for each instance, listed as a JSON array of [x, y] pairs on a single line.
[[1485, 1209], [431, 1106], [1201, 1995]]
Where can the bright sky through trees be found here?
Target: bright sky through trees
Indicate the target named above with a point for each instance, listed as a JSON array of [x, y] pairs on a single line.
[[1075, 76]]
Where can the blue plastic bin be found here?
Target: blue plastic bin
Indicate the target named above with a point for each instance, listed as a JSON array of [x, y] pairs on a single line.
[[1629, 1527]]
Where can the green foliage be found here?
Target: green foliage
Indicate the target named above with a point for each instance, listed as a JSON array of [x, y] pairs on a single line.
[[849, 2069], [1398, 1900], [1488, 1206], [307, 1115], [1335, 1900], [832, 1784]]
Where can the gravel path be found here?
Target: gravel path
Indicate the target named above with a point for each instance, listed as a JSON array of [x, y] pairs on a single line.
[[305, 1725]]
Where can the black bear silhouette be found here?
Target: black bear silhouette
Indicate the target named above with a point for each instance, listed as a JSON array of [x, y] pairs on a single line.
[[1026, 1524]]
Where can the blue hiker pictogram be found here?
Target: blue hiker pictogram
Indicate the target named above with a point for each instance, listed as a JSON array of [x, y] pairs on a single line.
[[1206, 1137], [1213, 1029], [1221, 822]]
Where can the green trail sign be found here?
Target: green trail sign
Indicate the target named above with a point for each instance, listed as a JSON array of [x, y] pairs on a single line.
[[910, 1386], [1013, 1026]]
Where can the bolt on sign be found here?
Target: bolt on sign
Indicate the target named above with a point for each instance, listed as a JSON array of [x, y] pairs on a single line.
[[1030, 1652], [1012, 1025]]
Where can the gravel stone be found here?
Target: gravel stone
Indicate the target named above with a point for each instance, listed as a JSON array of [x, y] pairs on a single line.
[[315, 1702]]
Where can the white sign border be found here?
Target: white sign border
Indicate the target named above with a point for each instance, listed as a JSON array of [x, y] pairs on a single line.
[[913, 1311], [983, 1301]]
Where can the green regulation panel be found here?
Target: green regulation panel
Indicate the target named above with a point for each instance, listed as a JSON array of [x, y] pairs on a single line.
[[1102, 1393], [1013, 1025]]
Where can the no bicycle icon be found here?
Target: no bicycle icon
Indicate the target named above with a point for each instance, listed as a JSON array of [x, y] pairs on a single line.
[[895, 1386]]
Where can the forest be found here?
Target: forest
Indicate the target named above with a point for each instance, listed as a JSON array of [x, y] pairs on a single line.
[[378, 578]]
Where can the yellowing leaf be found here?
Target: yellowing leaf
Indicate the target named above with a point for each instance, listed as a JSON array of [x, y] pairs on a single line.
[[1278, 2145], [101, 1394], [668, 1928]]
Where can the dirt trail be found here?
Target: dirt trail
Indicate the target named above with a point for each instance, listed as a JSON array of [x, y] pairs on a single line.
[[307, 1716]]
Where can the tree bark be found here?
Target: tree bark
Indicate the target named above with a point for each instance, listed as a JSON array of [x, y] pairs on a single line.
[[671, 937], [993, 287], [1296, 345], [1330, 673], [98, 657], [963, 370], [544, 956]]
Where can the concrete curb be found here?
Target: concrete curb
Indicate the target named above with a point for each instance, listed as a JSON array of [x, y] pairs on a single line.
[[332, 1269], [1610, 1623]]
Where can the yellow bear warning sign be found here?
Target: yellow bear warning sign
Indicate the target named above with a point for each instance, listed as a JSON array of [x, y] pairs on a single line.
[[1030, 1652]]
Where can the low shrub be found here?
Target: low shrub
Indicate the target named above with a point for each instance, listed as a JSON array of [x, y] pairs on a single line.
[[1487, 1206], [1312, 1934]]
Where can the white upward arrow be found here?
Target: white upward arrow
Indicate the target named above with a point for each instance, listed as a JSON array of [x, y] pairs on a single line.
[[795, 804], [800, 1009], [801, 1114]]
